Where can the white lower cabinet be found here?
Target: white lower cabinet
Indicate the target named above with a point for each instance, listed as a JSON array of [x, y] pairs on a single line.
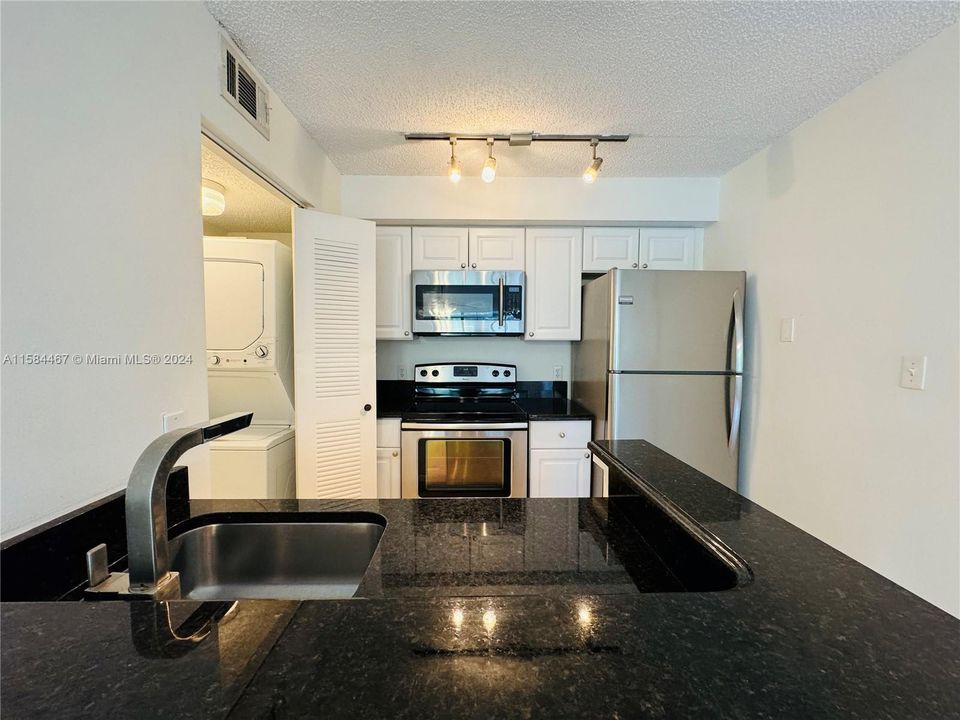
[[559, 459], [388, 458]]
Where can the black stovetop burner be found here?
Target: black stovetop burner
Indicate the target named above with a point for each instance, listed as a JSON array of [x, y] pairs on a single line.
[[476, 409]]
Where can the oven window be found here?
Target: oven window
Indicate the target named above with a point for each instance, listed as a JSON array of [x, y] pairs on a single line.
[[456, 467], [457, 302]]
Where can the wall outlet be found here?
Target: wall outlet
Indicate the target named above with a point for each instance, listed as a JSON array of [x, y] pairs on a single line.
[[913, 372], [788, 329], [558, 372], [402, 372], [172, 420]]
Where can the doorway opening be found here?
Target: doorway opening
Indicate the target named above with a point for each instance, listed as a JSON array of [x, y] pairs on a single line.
[[248, 308]]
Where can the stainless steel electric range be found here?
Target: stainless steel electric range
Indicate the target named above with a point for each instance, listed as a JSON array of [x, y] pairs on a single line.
[[464, 435]]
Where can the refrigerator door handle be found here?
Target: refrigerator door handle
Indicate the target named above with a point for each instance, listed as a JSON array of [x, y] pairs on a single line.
[[733, 432], [737, 363]]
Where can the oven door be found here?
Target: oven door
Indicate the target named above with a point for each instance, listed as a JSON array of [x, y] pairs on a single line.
[[467, 302], [463, 460]]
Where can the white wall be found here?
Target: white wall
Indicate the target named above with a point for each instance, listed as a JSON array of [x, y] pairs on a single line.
[[850, 224], [102, 108], [534, 360], [689, 201]]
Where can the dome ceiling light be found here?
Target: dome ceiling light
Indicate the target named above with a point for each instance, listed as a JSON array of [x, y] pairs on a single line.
[[212, 201], [489, 171]]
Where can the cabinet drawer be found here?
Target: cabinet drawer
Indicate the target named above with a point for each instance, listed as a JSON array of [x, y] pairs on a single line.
[[560, 434], [388, 433]]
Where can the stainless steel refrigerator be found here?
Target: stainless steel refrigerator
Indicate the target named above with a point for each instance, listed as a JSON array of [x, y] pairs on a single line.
[[661, 360]]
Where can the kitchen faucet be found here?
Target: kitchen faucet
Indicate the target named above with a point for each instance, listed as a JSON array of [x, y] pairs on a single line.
[[146, 504]]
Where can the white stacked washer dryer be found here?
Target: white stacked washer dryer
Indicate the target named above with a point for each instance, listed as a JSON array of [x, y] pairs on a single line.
[[249, 313]]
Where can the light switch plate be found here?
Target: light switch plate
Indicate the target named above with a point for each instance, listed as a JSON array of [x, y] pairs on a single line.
[[913, 372], [788, 329], [172, 420]]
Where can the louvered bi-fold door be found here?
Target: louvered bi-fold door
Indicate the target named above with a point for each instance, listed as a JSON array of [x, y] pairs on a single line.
[[334, 340]]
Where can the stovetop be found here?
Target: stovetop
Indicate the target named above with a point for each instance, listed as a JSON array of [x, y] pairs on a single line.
[[465, 392]]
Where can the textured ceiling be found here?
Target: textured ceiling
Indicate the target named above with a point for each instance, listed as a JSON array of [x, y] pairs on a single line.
[[250, 206], [704, 84]]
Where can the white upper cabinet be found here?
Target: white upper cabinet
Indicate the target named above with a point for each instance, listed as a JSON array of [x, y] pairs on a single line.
[[393, 283], [440, 248], [553, 262], [669, 248], [496, 248], [610, 247]]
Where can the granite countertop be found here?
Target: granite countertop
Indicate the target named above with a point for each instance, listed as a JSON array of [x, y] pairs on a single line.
[[539, 400], [514, 609]]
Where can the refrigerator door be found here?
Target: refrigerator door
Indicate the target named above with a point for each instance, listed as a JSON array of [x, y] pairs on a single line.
[[695, 418], [670, 321]]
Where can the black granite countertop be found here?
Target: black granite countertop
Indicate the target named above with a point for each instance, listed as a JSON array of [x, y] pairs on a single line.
[[541, 401], [515, 609]]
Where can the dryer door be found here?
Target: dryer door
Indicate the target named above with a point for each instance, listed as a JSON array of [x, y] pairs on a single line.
[[234, 303]]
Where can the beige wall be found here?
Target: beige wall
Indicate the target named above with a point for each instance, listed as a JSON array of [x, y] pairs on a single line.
[[102, 110], [850, 225]]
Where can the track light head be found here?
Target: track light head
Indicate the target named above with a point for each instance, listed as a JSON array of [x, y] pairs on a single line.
[[489, 171], [454, 169], [593, 169]]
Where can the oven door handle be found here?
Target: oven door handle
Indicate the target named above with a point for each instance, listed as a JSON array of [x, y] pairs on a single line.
[[463, 426], [501, 301]]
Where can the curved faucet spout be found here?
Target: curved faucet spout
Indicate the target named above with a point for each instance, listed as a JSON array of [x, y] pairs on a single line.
[[146, 508]]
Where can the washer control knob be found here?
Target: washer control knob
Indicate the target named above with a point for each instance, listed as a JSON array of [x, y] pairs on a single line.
[[262, 351], [214, 359], [423, 373], [496, 373], [436, 373]]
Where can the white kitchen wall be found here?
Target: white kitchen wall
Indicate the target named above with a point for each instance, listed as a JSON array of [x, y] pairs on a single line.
[[534, 360], [850, 225], [529, 201], [102, 233]]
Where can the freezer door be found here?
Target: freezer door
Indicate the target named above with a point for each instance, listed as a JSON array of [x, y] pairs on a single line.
[[695, 418], [670, 320]]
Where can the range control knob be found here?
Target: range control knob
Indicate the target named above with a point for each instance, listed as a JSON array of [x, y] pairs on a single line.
[[214, 359], [496, 373], [506, 373], [261, 351], [423, 373], [436, 373]]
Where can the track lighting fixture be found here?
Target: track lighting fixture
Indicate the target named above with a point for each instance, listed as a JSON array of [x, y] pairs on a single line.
[[593, 169], [489, 171], [454, 170]]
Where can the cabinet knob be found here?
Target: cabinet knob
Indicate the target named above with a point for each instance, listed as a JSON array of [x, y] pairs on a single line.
[[531, 334], [463, 265], [406, 332], [368, 407], [473, 265], [563, 434], [635, 265], [644, 265], [396, 452], [587, 455]]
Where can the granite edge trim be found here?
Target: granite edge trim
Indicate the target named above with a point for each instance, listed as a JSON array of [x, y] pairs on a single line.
[[723, 552]]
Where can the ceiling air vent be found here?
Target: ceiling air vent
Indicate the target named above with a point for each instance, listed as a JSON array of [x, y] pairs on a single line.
[[242, 87]]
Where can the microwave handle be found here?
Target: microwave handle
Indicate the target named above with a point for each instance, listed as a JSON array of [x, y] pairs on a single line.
[[501, 302]]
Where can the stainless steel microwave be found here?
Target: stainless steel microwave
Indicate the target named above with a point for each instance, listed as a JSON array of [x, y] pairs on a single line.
[[468, 302]]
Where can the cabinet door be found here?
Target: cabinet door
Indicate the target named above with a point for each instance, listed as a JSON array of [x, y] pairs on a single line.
[[496, 248], [439, 248], [668, 248], [559, 473], [388, 473], [393, 283], [554, 261], [610, 247], [600, 479], [335, 372]]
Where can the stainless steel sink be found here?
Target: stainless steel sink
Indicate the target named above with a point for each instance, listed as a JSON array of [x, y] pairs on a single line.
[[254, 559]]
